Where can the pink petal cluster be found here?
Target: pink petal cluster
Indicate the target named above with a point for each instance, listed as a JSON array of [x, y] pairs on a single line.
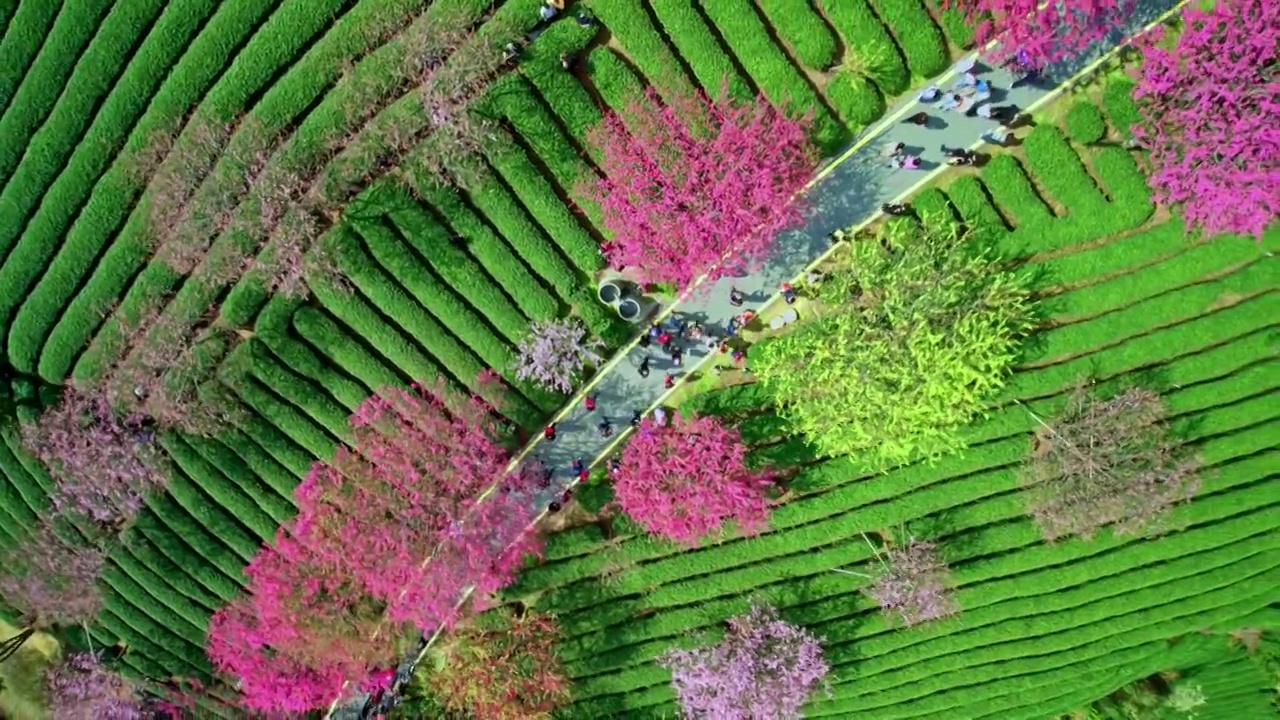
[[357, 554], [82, 687], [685, 480], [764, 669], [102, 463], [1209, 106], [695, 186], [556, 352], [914, 583], [1040, 33]]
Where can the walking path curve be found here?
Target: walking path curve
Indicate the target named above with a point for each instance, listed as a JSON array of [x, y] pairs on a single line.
[[847, 192]]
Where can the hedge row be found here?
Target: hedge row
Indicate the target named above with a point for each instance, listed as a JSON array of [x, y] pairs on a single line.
[[250, 473], [954, 24], [170, 554], [1005, 177], [56, 281], [213, 481], [144, 563], [1058, 168], [113, 195], [43, 81], [540, 64], [26, 501], [772, 71], [686, 28], [803, 30], [46, 151], [149, 600], [303, 396], [1122, 109], [630, 25], [921, 41], [24, 34], [1085, 123], [410, 315], [404, 266], [618, 85], [278, 445], [857, 101], [328, 338], [210, 547], [539, 197], [271, 326], [868, 44]]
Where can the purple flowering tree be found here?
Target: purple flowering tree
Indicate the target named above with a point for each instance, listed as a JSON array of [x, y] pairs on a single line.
[[912, 582], [52, 579], [83, 687], [102, 463], [1209, 106], [555, 354], [764, 669]]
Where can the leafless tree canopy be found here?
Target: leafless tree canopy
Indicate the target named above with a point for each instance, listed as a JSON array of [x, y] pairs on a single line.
[[1107, 461]]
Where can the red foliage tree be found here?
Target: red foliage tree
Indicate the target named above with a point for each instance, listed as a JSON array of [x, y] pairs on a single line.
[[1209, 105], [502, 667], [1039, 33], [698, 186], [684, 480], [397, 527], [102, 463]]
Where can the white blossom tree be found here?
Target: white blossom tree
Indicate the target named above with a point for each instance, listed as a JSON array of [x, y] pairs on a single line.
[[556, 352]]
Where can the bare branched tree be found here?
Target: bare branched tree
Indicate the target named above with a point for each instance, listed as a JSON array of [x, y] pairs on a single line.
[[1107, 462]]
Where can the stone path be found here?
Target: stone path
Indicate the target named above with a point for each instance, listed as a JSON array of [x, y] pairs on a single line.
[[847, 191]]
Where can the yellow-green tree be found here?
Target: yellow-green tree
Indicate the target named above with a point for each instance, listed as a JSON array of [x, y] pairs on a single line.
[[911, 333]]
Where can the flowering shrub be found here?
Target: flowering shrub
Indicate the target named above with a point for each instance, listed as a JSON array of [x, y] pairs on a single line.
[[693, 186], [764, 669], [1209, 106], [102, 463], [556, 352], [52, 579], [1107, 462], [684, 480], [82, 687], [1040, 33], [502, 668], [913, 582]]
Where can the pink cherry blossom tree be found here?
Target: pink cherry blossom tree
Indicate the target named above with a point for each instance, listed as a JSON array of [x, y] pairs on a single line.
[[765, 667], [52, 579], [698, 186], [1209, 105], [556, 352], [102, 462], [1040, 33], [685, 480], [387, 538], [912, 582]]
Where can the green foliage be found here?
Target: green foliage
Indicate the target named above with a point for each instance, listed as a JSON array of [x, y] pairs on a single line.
[[920, 39], [802, 29], [1085, 123], [689, 32], [915, 333], [870, 49], [1122, 109], [855, 98]]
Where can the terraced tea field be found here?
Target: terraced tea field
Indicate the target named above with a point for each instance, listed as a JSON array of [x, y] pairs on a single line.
[[115, 114], [1043, 628]]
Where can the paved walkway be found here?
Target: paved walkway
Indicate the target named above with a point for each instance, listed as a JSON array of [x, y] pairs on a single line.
[[848, 191]]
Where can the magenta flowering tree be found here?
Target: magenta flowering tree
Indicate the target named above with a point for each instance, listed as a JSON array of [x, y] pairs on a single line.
[[912, 582], [556, 352], [1039, 33], [387, 538], [52, 579], [685, 480], [765, 669], [696, 186], [81, 686], [1209, 105], [102, 463]]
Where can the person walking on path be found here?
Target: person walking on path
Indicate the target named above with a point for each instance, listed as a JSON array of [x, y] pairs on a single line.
[[788, 294], [579, 467], [895, 209], [677, 357], [660, 416], [736, 298], [605, 428], [920, 118], [668, 381], [644, 367], [636, 417], [589, 402], [549, 433]]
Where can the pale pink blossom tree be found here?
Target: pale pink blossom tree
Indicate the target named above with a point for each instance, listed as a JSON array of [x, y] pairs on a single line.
[[912, 582], [1040, 33], [1209, 107], [685, 480], [83, 687], [52, 579], [102, 462], [698, 186], [556, 352]]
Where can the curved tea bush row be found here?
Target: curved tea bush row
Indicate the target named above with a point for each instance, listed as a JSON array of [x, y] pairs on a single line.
[[802, 29], [920, 39], [629, 22], [686, 29], [869, 44]]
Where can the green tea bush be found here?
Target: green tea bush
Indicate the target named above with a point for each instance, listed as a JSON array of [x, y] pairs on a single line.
[[920, 39], [800, 27], [1122, 109], [687, 30], [855, 98], [631, 27], [26, 27], [1085, 123], [870, 48]]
